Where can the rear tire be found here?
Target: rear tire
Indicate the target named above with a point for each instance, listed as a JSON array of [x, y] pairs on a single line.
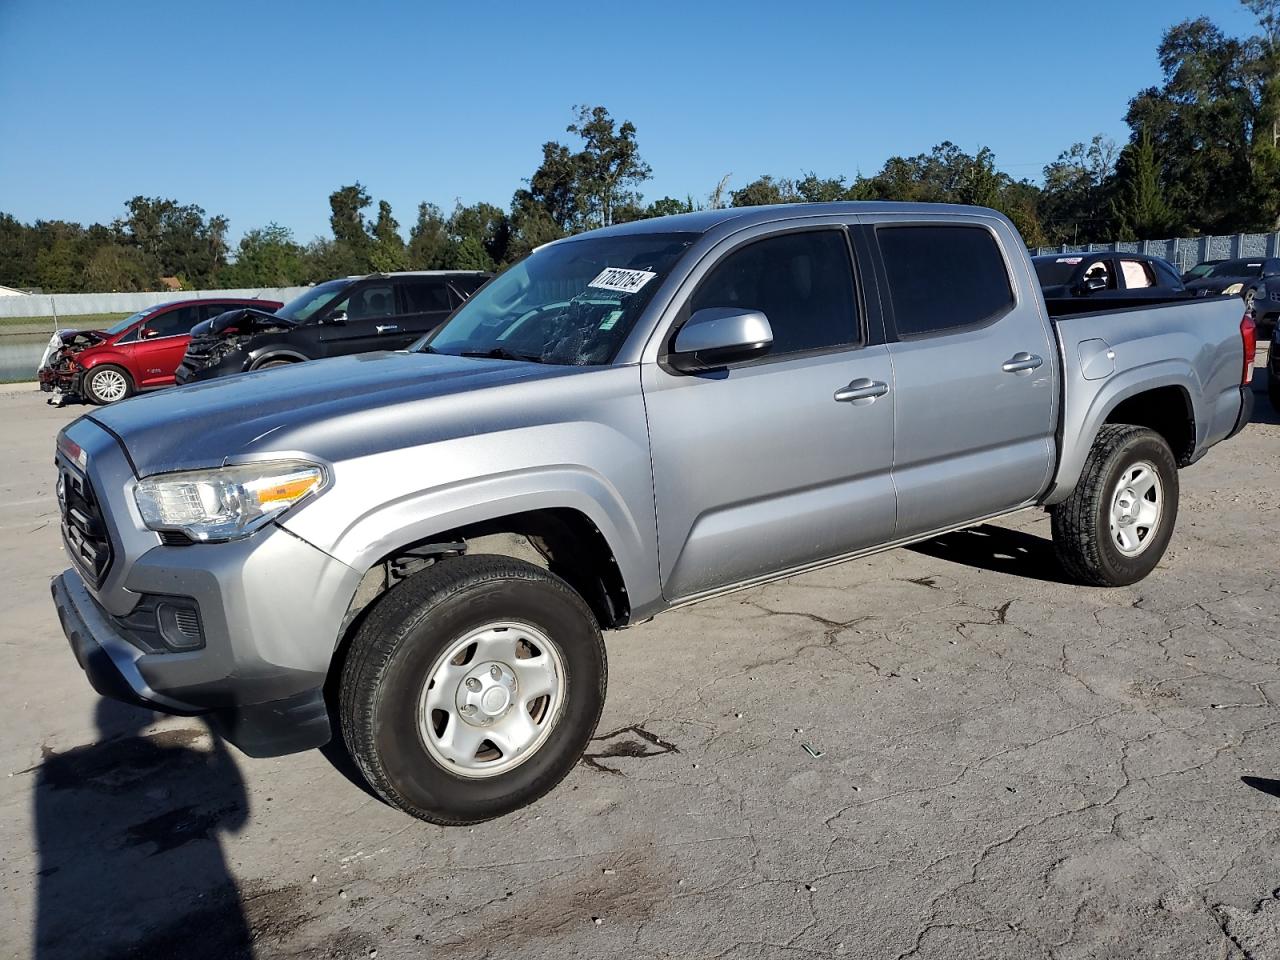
[[426, 684], [1116, 525], [107, 384], [1273, 391]]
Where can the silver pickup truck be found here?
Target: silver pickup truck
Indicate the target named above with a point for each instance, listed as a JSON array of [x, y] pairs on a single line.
[[421, 548]]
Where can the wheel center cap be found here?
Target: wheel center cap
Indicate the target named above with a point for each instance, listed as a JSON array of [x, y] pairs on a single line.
[[495, 700], [486, 693]]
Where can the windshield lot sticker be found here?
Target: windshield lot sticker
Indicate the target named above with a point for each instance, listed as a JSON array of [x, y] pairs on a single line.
[[624, 281], [612, 318]]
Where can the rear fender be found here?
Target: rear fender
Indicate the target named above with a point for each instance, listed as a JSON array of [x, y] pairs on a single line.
[[1082, 421]]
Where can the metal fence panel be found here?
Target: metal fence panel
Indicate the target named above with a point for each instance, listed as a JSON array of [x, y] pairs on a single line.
[[1185, 252]]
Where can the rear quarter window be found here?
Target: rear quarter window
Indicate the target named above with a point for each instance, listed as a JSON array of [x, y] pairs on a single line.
[[943, 277]]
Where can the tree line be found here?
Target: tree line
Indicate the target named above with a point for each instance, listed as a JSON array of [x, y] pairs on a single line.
[[1203, 156]]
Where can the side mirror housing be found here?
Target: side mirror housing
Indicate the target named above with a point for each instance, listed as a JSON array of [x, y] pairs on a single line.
[[717, 336], [1094, 284], [338, 319]]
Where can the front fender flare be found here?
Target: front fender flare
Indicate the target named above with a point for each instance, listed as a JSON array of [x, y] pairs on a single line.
[[421, 516]]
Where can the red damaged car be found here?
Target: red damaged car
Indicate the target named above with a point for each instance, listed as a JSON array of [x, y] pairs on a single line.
[[140, 352]]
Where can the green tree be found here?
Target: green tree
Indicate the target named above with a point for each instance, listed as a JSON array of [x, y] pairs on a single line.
[[353, 246], [179, 238], [428, 239], [267, 257], [1075, 201], [1201, 122], [115, 267], [669, 206], [488, 227], [1141, 211], [609, 166], [764, 190], [388, 252]]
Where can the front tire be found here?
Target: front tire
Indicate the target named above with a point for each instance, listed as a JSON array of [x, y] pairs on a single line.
[[1273, 391], [472, 689], [107, 384], [1116, 525]]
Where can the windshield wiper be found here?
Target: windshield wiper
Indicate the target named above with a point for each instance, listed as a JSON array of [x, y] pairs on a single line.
[[500, 353]]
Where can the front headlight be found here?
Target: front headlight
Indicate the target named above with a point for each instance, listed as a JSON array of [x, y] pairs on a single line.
[[229, 502], [1232, 290]]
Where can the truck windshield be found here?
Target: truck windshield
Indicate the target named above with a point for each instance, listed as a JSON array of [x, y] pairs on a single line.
[[305, 304], [570, 303]]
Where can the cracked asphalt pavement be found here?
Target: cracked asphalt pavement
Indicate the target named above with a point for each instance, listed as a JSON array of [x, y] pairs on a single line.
[[938, 752]]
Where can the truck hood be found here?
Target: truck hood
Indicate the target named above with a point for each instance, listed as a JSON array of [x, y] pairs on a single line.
[[332, 409]]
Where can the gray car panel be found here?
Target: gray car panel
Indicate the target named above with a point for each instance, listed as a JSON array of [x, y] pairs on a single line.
[[972, 438]]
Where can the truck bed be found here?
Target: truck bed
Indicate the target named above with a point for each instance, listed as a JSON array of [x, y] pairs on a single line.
[[1060, 307]]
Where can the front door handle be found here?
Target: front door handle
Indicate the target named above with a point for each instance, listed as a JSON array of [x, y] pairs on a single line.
[[1021, 362], [387, 327], [862, 391]]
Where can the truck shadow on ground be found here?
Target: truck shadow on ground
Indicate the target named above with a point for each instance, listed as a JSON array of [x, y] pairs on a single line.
[[999, 549], [128, 839]]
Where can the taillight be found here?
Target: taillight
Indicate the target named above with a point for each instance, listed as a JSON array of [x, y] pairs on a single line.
[[1248, 337]]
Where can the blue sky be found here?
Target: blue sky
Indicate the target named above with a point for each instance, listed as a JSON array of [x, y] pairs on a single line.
[[259, 110]]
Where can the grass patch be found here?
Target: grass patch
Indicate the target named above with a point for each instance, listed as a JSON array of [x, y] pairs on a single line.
[[85, 321]]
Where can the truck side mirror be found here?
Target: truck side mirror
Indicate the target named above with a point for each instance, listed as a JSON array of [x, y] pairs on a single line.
[[1094, 284], [716, 336], [339, 319]]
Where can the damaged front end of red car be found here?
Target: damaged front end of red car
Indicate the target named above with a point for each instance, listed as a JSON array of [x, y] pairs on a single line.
[[59, 372]]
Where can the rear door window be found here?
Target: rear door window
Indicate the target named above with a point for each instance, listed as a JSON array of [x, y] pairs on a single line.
[[1137, 274], [426, 296], [944, 277]]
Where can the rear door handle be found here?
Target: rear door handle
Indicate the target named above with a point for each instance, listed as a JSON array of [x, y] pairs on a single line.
[[387, 327], [862, 391], [1021, 362]]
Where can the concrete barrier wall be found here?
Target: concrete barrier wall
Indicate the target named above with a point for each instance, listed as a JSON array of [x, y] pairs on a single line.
[[78, 304]]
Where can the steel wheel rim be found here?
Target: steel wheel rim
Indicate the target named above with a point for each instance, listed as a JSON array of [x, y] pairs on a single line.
[[1137, 504], [491, 700], [109, 385]]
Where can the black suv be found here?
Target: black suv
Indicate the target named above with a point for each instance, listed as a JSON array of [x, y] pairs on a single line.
[[352, 315]]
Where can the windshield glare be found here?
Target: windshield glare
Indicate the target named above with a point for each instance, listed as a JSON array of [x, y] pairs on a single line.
[[572, 303], [306, 304], [120, 326]]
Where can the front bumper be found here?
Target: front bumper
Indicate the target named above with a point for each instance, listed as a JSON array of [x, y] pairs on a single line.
[[299, 721], [271, 608]]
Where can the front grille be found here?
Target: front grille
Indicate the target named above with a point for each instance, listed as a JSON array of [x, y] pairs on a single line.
[[84, 531], [203, 352]]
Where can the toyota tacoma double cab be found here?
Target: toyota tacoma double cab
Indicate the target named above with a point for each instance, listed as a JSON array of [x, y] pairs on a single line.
[[419, 550]]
